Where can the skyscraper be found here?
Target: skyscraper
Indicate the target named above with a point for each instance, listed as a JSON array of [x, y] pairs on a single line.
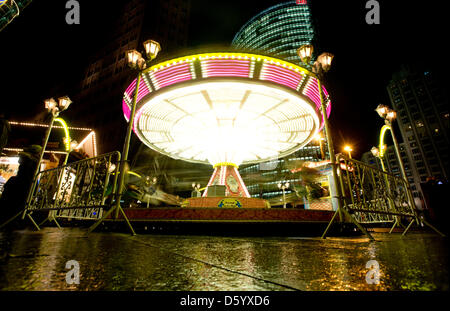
[[423, 118], [279, 31], [98, 102]]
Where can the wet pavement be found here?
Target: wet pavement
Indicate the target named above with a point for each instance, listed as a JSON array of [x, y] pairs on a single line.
[[36, 261]]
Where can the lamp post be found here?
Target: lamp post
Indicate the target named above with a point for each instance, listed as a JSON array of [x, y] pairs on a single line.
[[389, 116], [319, 67], [55, 108], [349, 150], [136, 62], [283, 186]]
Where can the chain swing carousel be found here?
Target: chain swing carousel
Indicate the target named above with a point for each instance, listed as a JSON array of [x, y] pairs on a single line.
[[226, 110]]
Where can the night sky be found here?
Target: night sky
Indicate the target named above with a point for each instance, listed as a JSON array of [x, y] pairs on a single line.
[[41, 54]]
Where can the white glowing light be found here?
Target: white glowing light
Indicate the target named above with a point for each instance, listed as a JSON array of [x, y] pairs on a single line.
[[227, 121], [10, 160]]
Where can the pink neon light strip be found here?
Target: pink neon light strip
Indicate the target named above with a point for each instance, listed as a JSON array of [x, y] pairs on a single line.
[[143, 91], [131, 88], [279, 80], [226, 67], [285, 72], [312, 91], [242, 183], [329, 104], [126, 110], [136, 119], [176, 79], [281, 75], [172, 75]]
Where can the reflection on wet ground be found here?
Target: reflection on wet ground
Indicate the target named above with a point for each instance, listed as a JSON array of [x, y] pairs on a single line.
[[112, 261]]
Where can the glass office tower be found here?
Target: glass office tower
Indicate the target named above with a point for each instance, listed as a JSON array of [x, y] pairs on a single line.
[[278, 31]]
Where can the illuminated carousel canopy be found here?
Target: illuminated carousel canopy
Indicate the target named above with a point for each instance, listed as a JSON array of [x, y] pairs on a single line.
[[226, 108]]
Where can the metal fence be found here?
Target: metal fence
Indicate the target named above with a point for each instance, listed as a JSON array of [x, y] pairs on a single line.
[[79, 190], [371, 195]]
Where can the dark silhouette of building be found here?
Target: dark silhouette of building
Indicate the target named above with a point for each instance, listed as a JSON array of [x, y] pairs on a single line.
[[423, 118], [98, 100]]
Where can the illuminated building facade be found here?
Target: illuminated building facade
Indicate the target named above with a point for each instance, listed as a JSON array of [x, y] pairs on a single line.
[[276, 168], [423, 119], [278, 31], [107, 76]]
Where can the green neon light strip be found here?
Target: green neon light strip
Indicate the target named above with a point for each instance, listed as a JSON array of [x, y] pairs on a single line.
[[66, 130], [135, 174], [384, 129]]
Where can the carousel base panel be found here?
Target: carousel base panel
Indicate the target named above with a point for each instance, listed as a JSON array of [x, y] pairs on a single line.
[[227, 215], [225, 202]]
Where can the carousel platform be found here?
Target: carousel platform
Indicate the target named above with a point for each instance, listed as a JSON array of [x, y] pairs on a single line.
[[229, 221], [205, 214]]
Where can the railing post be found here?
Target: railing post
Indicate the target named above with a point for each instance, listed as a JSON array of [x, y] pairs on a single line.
[[402, 168], [126, 148], [330, 148]]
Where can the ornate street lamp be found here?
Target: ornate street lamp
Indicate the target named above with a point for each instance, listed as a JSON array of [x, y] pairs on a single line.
[[375, 152], [319, 67], [349, 150], [136, 62], [64, 103], [55, 108], [133, 59], [389, 116], [305, 53], [325, 60], [283, 186], [152, 48], [382, 110]]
